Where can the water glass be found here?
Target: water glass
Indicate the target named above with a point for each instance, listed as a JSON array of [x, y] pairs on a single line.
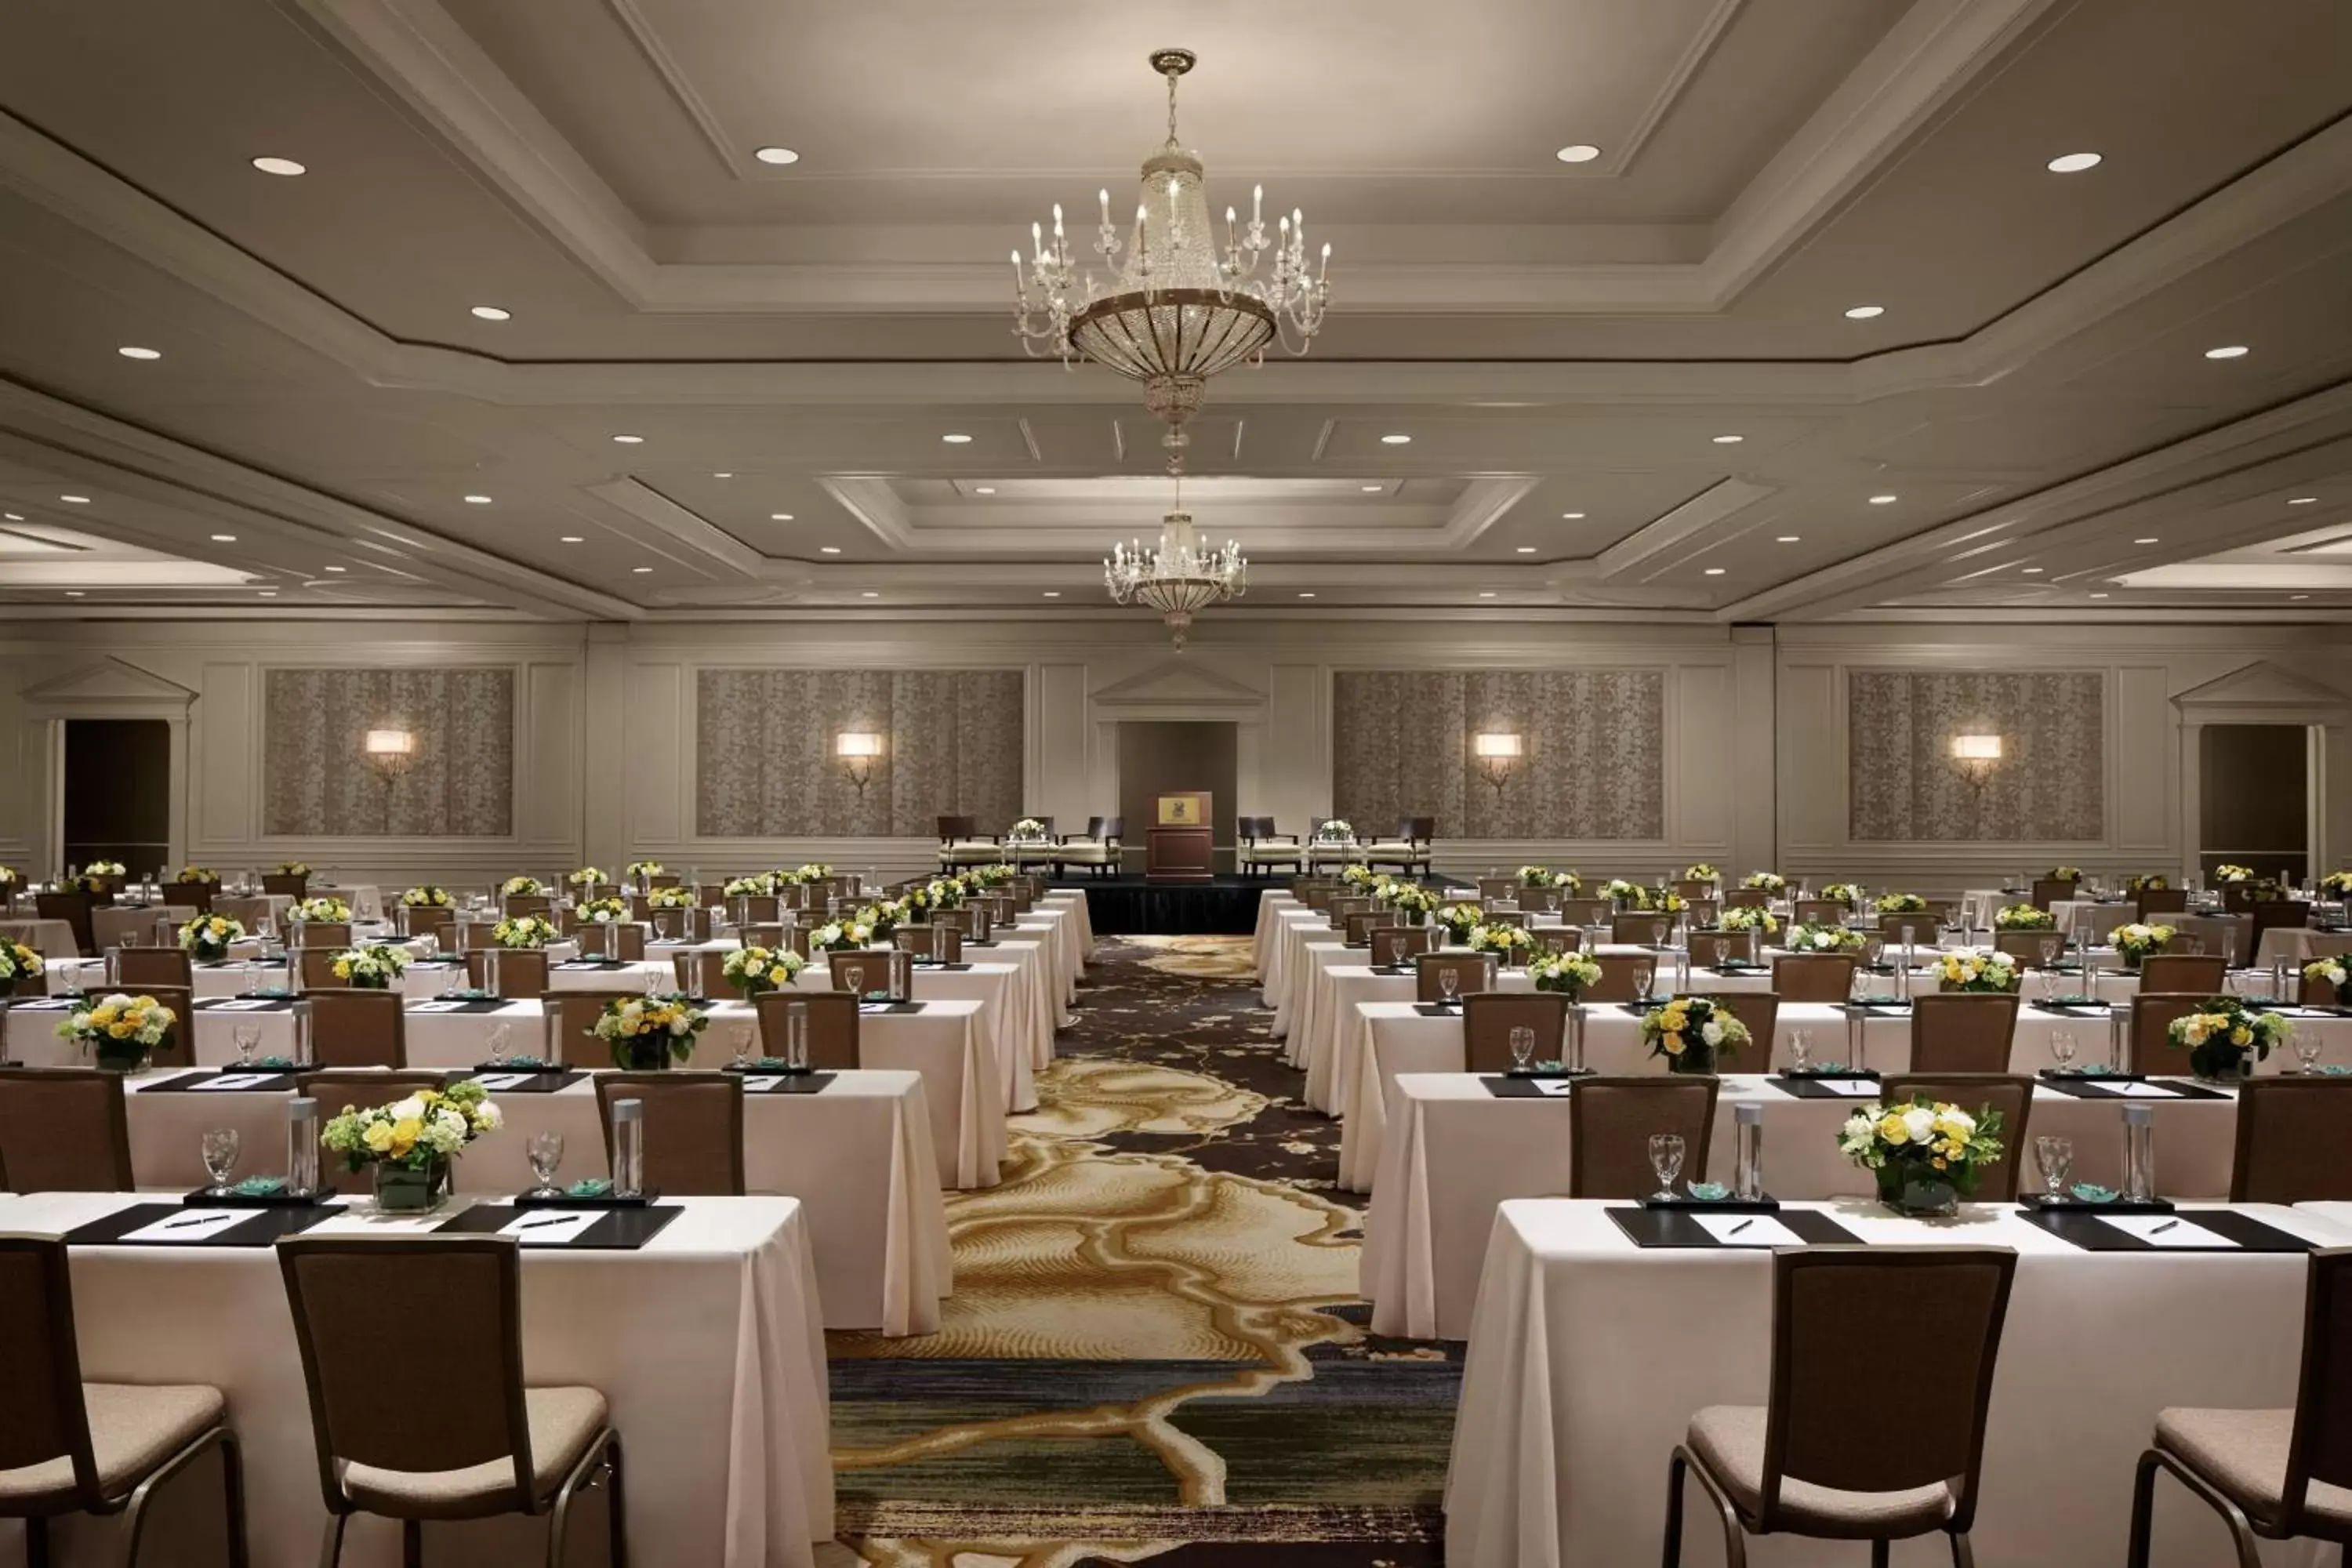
[[545, 1153], [1448, 982], [741, 1036], [1666, 1160], [1523, 1046], [248, 1040], [2306, 1051], [1800, 1049], [2055, 1158], [500, 1040], [1645, 970], [219, 1148], [2062, 1048], [853, 979]]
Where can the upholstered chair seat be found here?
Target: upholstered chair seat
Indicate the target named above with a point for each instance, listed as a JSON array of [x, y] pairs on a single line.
[[1730, 1439], [562, 1422]]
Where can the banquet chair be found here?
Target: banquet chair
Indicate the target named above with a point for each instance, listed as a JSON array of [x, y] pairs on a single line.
[[1814, 976], [197, 895], [1407, 849], [339, 1090], [319, 968], [28, 986], [1351, 904], [250, 913], [2204, 973], [2290, 1131], [2274, 914], [177, 1048], [131, 925], [1611, 1120], [1394, 947], [140, 966], [2272, 1475], [1539, 901], [1720, 947], [1963, 1031], [749, 908], [1759, 1010], [1801, 1464], [1489, 1016], [965, 922], [280, 885], [763, 933], [1097, 847], [487, 1444], [1556, 939], [1618, 972], [1820, 911], [832, 1035], [701, 972], [872, 969], [356, 1028], [2150, 902], [569, 1019], [71, 1447], [1693, 889], [318, 933], [539, 904], [961, 844], [1645, 929], [1505, 888], [693, 1129], [2238, 898], [2025, 946], [1022, 894], [63, 1130], [2048, 891], [622, 939], [1747, 899], [437, 921], [941, 943], [514, 971], [2010, 1093], [1262, 848], [661, 880], [1317, 896], [2152, 1012], [1472, 971], [1582, 911], [1515, 919], [74, 909]]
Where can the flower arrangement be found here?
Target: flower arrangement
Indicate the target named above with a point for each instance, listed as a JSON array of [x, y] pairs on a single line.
[[1770, 881], [1361, 877], [1744, 918], [523, 931], [841, 936], [290, 869], [1336, 830], [1028, 830], [1537, 876], [411, 1142], [19, 961], [2234, 873], [1570, 974], [602, 911], [1509, 943], [85, 882], [370, 968], [2337, 884], [321, 909], [587, 877], [1925, 1155], [1626, 895], [1899, 903], [1701, 872], [994, 876], [1844, 892], [426, 897], [2135, 942], [644, 867], [752, 970], [198, 874], [2065, 873], [1409, 898], [880, 920], [1976, 970], [814, 871], [2154, 882], [206, 938], [103, 869], [1825, 939], [2219, 1034], [946, 893], [119, 1030], [10, 876], [1664, 901], [1461, 920], [1691, 1031], [756, 887], [2322, 972], [648, 1032], [2024, 917], [521, 888]]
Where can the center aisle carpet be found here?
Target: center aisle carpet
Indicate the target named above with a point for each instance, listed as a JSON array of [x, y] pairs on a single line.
[[1155, 1352]]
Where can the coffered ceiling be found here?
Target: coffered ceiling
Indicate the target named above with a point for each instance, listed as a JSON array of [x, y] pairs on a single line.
[[1628, 383]]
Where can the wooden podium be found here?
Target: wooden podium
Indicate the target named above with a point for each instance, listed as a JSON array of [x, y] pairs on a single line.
[[1180, 845]]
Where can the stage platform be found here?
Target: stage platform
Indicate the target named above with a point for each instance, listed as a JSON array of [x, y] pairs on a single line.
[[1129, 906]]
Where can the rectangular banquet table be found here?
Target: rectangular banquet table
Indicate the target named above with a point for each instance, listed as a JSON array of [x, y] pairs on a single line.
[[1454, 1150], [1008, 1016], [420, 982], [706, 1344], [1587, 1356], [858, 1155], [941, 1040]]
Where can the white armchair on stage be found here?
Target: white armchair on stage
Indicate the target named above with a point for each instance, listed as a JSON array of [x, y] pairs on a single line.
[[1263, 850], [1408, 850], [963, 844], [1096, 849]]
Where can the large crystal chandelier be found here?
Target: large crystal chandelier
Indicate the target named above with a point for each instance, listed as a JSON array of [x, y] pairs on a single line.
[[1177, 575]]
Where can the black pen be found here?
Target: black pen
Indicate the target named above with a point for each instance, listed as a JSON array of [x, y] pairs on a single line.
[[1743, 1225], [200, 1219], [534, 1224], [2167, 1224]]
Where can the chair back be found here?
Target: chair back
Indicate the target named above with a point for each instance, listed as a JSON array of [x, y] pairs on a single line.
[[701, 972], [280, 885], [1317, 896], [1584, 912], [943, 944], [1617, 976], [437, 921], [362, 1305], [1359, 930], [1814, 976], [2205, 973], [353, 1028], [1498, 888], [622, 939], [1556, 939], [870, 970], [2048, 891], [1718, 947], [519, 971], [197, 895], [1341, 908], [693, 1129], [1609, 1123], [42, 1417], [177, 1048], [832, 1035], [539, 904], [1472, 971], [1646, 930], [319, 968], [2290, 1150], [1759, 1010], [2153, 901], [1747, 899], [1489, 1016], [1820, 911], [74, 909], [2026, 945], [250, 913], [1692, 888], [2010, 1093], [2273, 915], [318, 933], [144, 966], [1963, 1031], [62, 1130], [569, 1019], [954, 827], [1394, 947], [1416, 830], [1515, 919], [131, 925], [1842, 1316], [966, 921], [2152, 1012]]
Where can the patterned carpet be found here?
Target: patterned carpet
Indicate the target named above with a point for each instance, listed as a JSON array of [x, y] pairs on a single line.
[[1154, 1350]]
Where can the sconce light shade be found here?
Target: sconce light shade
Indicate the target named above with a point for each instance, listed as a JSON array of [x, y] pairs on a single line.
[[390, 744], [1976, 748], [1496, 744], [856, 743]]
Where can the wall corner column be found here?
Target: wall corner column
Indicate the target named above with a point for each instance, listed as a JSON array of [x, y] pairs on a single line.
[[604, 796]]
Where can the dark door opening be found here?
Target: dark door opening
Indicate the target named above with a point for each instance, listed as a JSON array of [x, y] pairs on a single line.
[[2254, 787], [118, 792], [1157, 757]]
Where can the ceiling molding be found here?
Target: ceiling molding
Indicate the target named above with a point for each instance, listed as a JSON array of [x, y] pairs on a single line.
[[1667, 541]]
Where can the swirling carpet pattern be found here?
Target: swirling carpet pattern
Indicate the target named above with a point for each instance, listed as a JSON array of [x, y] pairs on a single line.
[[1154, 1352]]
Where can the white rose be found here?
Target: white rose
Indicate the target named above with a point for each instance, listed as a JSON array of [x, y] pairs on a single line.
[[488, 1117], [1860, 1124], [1920, 1122], [754, 967], [409, 1109], [678, 1025], [1712, 1033]]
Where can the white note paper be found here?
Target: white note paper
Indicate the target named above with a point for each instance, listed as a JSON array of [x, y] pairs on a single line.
[[759, 1085], [2143, 1091], [2166, 1230], [1748, 1230], [435, 1007], [234, 1080], [491, 1080], [1860, 1088], [1555, 1086], [547, 1227], [189, 1225], [240, 1005]]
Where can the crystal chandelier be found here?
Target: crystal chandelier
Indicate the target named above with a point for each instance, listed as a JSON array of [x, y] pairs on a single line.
[[1177, 576]]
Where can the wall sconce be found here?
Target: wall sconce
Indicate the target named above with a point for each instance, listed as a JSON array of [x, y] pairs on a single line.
[[1497, 753], [389, 752], [1975, 757], [858, 749]]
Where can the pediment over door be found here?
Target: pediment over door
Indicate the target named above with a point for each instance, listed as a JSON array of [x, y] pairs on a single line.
[[107, 685], [1178, 684], [2264, 693]]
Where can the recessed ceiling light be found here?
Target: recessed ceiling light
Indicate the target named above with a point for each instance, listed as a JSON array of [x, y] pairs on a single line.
[[728, 476], [574, 539], [776, 155], [1572, 516], [641, 570], [869, 593], [75, 501], [1865, 312], [2298, 595], [1884, 501], [224, 539], [2098, 595], [1305, 595], [133, 350], [13, 516], [1372, 490], [2301, 501], [2228, 350], [779, 517], [983, 489], [286, 166], [338, 568], [2074, 163], [1714, 570], [1730, 440], [1791, 538], [1053, 593], [1578, 153], [1526, 549], [1489, 593], [269, 592], [957, 438], [1398, 439], [492, 313], [477, 501], [73, 593], [630, 440], [2147, 542], [2032, 571], [828, 549]]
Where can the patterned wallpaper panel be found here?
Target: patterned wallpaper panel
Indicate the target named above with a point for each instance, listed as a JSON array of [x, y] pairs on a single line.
[[764, 738], [1594, 740], [2050, 783], [316, 781]]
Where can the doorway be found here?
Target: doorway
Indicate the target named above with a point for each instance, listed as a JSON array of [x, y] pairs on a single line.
[[118, 792], [1158, 757], [2254, 798]]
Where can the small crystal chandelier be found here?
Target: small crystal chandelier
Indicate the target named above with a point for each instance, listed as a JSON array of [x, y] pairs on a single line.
[[1177, 576]]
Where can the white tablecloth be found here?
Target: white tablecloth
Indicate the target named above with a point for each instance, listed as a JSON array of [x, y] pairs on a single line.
[[1006, 994], [858, 1155], [707, 1343], [420, 982], [52, 939], [1454, 1150], [1587, 1356]]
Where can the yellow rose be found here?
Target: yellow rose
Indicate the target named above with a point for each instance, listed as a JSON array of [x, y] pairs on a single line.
[[378, 1136], [123, 1031], [1891, 1127], [1937, 1161], [342, 969], [2241, 1036], [1673, 1043]]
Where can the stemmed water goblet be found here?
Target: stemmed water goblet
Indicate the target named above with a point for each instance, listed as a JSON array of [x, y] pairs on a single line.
[[500, 1038], [740, 1035], [1800, 1049], [1645, 970], [219, 1147], [1666, 1160], [248, 1040], [1523, 1047], [545, 1153], [1448, 982], [2062, 1048], [2055, 1158], [2306, 1052]]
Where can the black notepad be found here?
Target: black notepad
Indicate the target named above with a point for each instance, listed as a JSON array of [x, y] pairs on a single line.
[[2092, 1234], [617, 1230], [1680, 1227], [259, 1229]]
